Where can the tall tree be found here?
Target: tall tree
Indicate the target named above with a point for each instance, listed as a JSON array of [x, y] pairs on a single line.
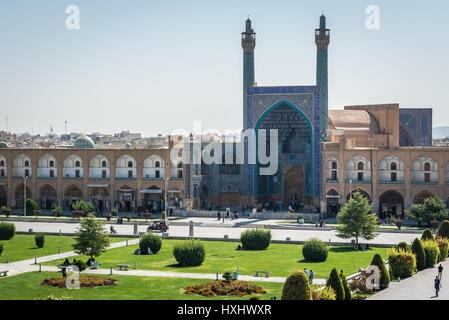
[[433, 209], [356, 220], [91, 238]]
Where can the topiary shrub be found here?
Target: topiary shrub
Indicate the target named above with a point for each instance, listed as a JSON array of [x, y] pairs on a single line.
[[432, 252], [443, 245], [151, 241], [190, 253], [384, 274], [402, 263], [7, 230], [327, 294], [256, 239], [315, 250], [443, 231], [427, 235], [1, 248], [420, 254], [346, 288], [80, 264], [39, 239], [297, 287], [404, 246], [335, 283]]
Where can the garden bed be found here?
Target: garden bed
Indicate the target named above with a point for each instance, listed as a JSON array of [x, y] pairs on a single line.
[[225, 288], [85, 282]]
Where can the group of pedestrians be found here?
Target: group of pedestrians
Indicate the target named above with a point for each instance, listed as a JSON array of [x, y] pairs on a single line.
[[223, 216], [309, 275], [438, 278]]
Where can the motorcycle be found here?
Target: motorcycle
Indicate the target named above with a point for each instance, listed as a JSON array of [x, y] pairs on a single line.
[[157, 226]]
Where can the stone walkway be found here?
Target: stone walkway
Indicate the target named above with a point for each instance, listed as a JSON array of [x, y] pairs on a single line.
[[418, 287]]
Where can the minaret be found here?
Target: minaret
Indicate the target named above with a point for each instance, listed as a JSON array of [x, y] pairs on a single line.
[[322, 40], [248, 45]]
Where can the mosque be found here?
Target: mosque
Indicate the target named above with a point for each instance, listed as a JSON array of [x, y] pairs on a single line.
[[383, 151]]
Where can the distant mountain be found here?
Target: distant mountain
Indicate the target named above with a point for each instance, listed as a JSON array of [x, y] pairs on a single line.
[[440, 132]]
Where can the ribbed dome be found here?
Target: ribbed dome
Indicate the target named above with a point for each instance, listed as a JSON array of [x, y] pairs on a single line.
[[84, 142]]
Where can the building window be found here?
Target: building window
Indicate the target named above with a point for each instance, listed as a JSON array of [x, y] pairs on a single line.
[[130, 174], [27, 163], [77, 173], [179, 173], [360, 166], [77, 164], [426, 177], [130, 164], [52, 173], [2, 163], [158, 174], [360, 176], [157, 164], [394, 166], [27, 173], [427, 166], [103, 164], [394, 177], [334, 165], [2, 172], [180, 165], [334, 176], [103, 174], [52, 164]]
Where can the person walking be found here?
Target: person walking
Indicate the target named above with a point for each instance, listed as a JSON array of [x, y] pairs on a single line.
[[440, 272], [437, 285], [306, 272], [311, 277], [218, 215]]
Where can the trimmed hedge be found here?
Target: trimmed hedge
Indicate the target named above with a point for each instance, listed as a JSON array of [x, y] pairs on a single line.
[[384, 275], [151, 241], [7, 230], [315, 250], [346, 288], [402, 263], [190, 253], [255, 239], [427, 235], [443, 245], [297, 287], [432, 252], [443, 230], [335, 283], [39, 239], [420, 254], [404, 246]]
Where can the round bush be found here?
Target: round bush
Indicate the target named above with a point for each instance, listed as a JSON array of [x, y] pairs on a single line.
[[39, 239], [427, 235], [404, 246], [335, 283], [190, 253], [432, 252], [402, 263], [443, 245], [255, 239], [151, 241], [297, 287], [419, 253], [315, 250], [80, 264], [7, 231], [384, 275], [443, 230]]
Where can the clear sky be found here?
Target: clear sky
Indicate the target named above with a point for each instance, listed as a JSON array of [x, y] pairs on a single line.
[[151, 66]]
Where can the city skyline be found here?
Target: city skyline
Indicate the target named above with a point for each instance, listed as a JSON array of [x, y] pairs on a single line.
[[124, 68]]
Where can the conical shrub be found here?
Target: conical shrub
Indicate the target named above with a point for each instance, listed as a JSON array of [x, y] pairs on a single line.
[[404, 246], [335, 283], [384, 274], [297, 287], [346, 288], [443, 230], [427, 235], [418, 250]]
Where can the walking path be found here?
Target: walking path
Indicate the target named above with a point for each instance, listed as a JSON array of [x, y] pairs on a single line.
[[418, 287]]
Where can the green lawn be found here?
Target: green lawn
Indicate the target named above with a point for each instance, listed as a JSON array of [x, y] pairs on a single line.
[[23, 247], [279, 259], [28, 286]]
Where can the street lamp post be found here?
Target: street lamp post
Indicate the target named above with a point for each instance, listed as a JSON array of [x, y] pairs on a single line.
[[24, 195]]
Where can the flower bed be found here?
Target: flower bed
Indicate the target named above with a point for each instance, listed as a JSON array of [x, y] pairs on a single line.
[[225, 288], [85, 282]]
